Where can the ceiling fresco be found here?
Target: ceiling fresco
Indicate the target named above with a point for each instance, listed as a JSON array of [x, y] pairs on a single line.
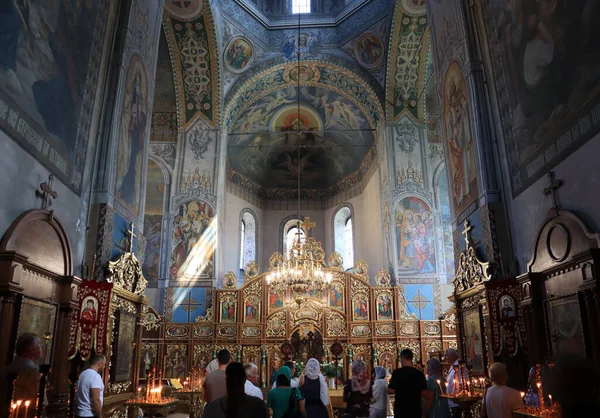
[[263, 144], [408, 60]]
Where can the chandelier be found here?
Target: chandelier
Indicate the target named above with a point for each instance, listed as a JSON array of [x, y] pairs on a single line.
[[302, 269]]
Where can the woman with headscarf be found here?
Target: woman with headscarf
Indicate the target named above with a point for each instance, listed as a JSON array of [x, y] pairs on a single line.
[[280, 399], [358, 391], [314, 390], [439, 406], [381, 399]]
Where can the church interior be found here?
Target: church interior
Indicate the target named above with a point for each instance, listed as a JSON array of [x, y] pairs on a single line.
[[295, 179]]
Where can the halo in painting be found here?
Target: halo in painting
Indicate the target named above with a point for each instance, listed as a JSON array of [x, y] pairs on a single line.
[[238, 54], [369, 50]]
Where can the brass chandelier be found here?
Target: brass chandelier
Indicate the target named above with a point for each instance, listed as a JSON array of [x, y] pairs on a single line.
[[302, 269]]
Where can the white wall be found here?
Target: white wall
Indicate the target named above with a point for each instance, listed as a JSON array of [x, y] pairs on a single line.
[[580, 193], [21, 177]]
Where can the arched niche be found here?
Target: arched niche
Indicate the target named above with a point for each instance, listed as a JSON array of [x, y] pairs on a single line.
[[38, 293]]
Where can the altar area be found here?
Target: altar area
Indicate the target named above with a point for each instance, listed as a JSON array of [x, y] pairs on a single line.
[[260, 324]]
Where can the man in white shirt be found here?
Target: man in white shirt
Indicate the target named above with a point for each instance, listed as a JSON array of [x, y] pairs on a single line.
[[451, 356], [294, 381], [90, 389], [499, 400], [251, 386]]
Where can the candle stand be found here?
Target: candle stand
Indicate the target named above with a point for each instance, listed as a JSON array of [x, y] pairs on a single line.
[[466, 401], [153, 401]]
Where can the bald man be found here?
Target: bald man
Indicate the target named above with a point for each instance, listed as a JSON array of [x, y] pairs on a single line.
[[499, 400]]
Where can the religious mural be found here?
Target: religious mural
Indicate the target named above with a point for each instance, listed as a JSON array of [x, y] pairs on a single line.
[[552, 91], [193, 241], [238, 54], [132, 139], [304, 44], [228, 309], [474, 341], [275, 299], [121, 239], [336, 296], [191, 304], [263, 137], [252, 307], [420, 303], [415, 237], [459, 140], [176, 364], [49, 56], [385, 306], [360, 307], [153, 214], [446, 218], [369, 50]]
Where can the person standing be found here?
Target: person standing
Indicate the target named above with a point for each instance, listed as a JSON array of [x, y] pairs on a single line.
[[358, 391], [294, 380], [236, 403], [90, 389], [451, 356], [279, 398], [27, 383], [214, 384], [381, 399], [409, 386], [314, 390], [251, 386], [439, 406], [499, 401]]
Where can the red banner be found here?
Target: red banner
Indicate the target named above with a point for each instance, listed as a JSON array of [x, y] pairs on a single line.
[[507, 320], [89, 323]]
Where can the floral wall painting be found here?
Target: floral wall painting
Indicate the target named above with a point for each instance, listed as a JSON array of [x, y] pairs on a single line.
[[475, 357], [227, 309], [415, 238], [193, 241], [336, 296], [545, 68], [132, 137], [369, 50], [385, 303], [360, 307], [238, 54], [252, 309], [459, 140]]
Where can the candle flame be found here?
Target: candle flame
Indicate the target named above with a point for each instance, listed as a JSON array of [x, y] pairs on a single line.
[[550, 396], [14, 406], [522, 394], [539, 385], [28, 402], [19, 402]]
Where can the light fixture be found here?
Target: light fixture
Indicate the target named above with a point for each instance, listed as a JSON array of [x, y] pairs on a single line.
[[302, 269]]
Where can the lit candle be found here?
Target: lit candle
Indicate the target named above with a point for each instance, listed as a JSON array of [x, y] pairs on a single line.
[[523, 395], [551, 403], [440, 385], [13, 406], [19, 402], [28, 402]]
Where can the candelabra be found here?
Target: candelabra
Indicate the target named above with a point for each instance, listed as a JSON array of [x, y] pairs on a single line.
[[153, 393], [544, 410], [193, 383]]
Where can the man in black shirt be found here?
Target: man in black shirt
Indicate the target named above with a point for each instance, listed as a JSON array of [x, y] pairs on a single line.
[[409, 386]]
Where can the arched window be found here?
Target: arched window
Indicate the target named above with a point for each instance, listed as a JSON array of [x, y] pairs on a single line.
[[300, 6], [343, 235], [248, 238], [291, 234]]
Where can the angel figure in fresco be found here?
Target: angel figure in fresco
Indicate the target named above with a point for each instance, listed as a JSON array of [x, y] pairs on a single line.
[[295, 166], [278, 100], [89, 312], [423, 252], [459, 140], [407, 235]]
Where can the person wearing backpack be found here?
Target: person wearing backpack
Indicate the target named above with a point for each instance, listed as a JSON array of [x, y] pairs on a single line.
[[285, 401]]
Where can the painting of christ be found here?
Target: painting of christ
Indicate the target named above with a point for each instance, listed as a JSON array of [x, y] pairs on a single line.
[[252, 309], [132, 139], [460, 144], [336, 296]]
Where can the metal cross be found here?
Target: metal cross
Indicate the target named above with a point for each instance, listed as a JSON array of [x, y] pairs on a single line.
[[467, 233], [131, 236], [47, 192], [553, 185], [308, 224]]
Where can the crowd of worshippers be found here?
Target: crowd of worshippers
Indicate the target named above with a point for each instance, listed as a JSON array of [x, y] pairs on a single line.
[[231, 389]]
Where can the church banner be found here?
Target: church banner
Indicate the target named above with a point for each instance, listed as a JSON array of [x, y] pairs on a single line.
[[90, 321]]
